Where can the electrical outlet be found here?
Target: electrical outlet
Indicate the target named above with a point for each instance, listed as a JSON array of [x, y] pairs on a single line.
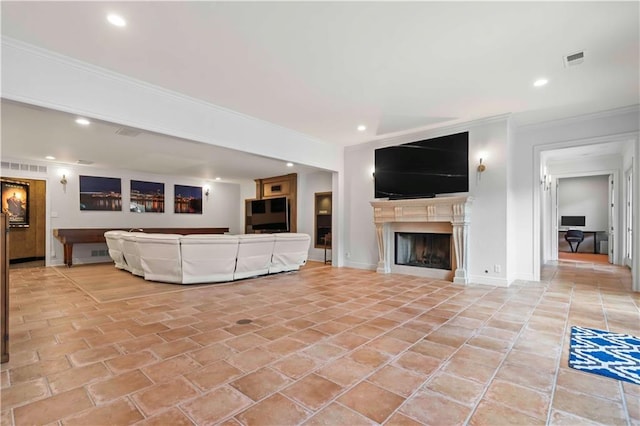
[[496, 269]]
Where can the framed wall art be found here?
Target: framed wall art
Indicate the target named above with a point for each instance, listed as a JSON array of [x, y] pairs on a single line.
[[146, 197], [188, 199], [100, 193], [15, 202]]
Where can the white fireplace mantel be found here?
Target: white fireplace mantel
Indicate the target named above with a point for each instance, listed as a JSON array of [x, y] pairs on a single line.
[[455, 210]]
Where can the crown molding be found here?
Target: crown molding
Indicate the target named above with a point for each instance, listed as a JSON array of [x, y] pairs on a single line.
[[580, 118]]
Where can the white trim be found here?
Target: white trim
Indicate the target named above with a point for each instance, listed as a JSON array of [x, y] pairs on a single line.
[[537, 164], [360, 265], [579, 118], [498, 282]]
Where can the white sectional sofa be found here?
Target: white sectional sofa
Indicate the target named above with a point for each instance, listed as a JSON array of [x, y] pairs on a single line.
[[206, 258]]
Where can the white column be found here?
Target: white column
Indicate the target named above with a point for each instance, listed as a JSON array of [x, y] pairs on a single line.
[[460, 223], [460, 245], [381, 249]]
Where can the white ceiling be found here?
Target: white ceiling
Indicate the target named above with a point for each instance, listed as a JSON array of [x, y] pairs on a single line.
[[323, 68]]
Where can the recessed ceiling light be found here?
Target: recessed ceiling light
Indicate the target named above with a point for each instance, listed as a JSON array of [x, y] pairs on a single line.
[[289, 164], [218, 178], [362, 128], [540, 82], [50, 157], [116, 20], [83, 121]]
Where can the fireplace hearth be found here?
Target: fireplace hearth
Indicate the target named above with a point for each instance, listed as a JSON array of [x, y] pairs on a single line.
[[423, 250], [440, 215]]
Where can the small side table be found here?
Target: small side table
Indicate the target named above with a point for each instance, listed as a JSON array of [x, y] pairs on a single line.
[[327, 245]]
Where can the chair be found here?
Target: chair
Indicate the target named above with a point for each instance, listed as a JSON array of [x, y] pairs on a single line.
[[574, 236]]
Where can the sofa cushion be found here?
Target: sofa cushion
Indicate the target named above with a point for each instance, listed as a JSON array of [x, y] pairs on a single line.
[[208, 258], [160, 257], [254, 255], [114, 244], [131, 253], [290, 252]]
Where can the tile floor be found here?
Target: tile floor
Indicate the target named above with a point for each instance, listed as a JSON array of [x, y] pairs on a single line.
[[326, 346]]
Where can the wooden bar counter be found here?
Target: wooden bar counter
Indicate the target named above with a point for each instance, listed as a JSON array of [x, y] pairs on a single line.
[[69, 237]]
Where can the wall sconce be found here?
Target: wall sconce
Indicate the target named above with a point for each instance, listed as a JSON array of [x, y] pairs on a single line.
[[481, 167], [206, 192], [63, 181]]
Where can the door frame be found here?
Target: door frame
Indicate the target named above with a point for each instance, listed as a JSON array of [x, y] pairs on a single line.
[[553, 221]]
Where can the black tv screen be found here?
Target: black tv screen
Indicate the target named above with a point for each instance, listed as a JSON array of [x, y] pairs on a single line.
[[270, 214], [572, 221], [423, 168]]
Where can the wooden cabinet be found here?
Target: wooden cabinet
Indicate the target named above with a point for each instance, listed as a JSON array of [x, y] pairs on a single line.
[[4, 283], [322, 228]]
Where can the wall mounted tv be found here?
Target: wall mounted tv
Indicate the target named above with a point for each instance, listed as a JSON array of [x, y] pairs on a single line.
[[423, 168], [271, 214]]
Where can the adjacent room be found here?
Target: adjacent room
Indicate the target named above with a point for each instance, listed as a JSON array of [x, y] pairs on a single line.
[[583, 210]]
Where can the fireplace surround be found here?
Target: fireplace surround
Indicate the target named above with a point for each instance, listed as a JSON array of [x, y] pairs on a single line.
[[448, 215]]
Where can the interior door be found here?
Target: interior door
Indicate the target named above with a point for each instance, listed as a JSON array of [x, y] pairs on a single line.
[[612, 202]]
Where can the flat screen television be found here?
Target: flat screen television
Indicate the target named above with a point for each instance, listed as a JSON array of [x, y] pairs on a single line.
[[424, 168], [271, 214]]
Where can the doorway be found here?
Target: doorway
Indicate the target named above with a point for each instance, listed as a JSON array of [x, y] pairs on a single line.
[[28, 237], [584, 206]]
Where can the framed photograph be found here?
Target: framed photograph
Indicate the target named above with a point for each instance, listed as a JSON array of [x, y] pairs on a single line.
[[146, 197], [100, 193], [15, 202], [188, 199]]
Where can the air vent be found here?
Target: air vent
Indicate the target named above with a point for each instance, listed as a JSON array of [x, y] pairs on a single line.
[[574, 59], [84, 162], [24, 167], [123, 131]]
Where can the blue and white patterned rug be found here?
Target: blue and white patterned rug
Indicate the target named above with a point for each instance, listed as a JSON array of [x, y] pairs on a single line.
[[609, 354]]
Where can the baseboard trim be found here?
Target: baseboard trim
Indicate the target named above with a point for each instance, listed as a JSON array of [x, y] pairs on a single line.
[[498, 282]]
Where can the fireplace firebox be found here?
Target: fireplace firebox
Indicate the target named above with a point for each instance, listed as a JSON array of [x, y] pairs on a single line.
[[423, 250]]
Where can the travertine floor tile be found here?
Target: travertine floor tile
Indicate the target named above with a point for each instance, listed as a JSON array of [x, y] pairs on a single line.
[[313, 391], [331, 346], [216, 405], [361, 399], [275, 410]]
